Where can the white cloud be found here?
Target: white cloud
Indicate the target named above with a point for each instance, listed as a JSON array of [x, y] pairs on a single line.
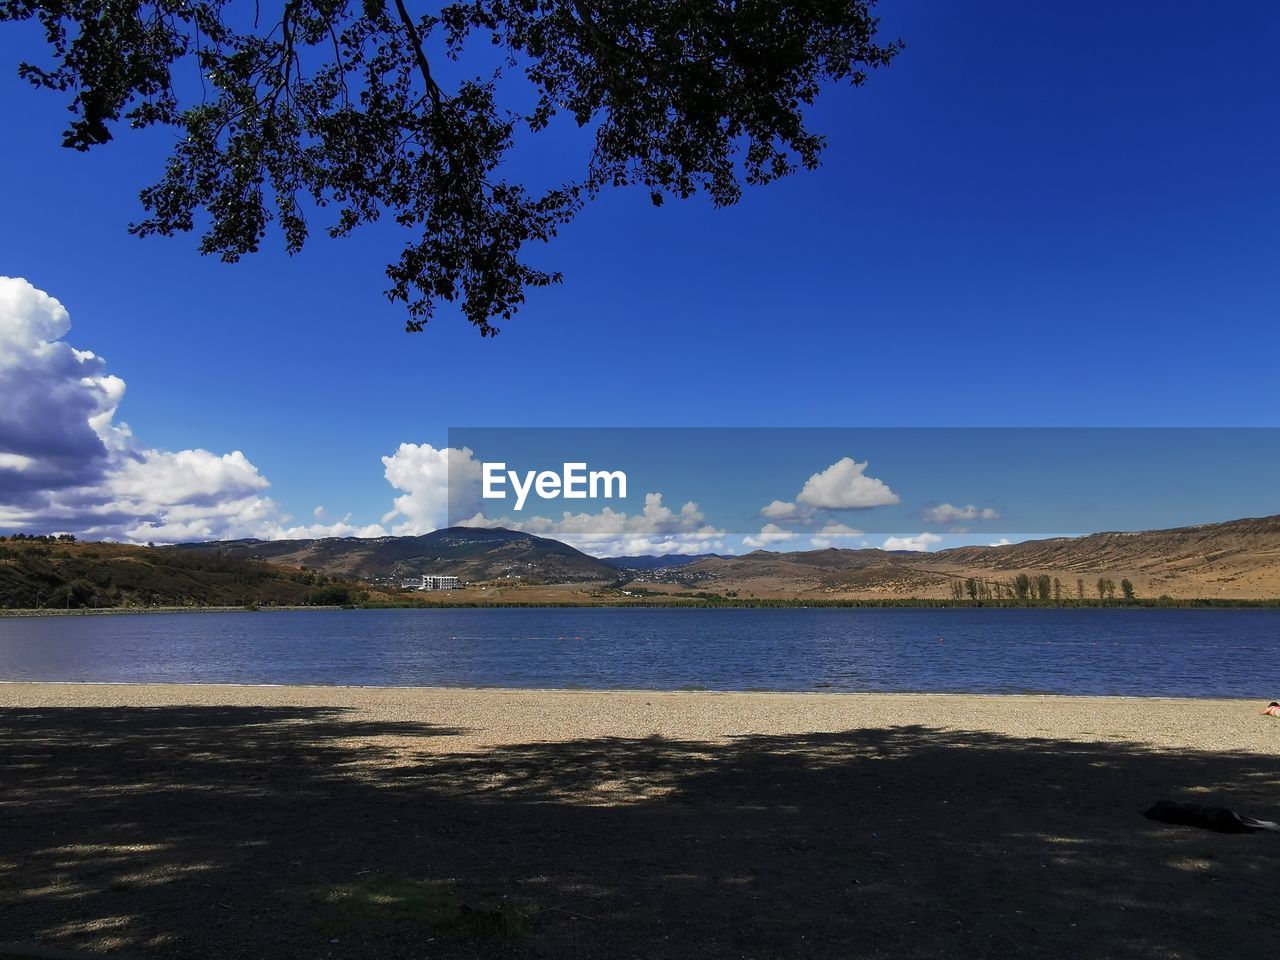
[[58, 401], [845, 486], [835, 534], [946, 513], [187, 476], [319, 531], [428, 476], [1002, 542], [921, 543], [780, 510], [770, 533], [839, 530], [842, 486], [66, 464], [17, 462]]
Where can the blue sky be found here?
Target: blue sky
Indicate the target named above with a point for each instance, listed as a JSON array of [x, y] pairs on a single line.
[[1038, 215]]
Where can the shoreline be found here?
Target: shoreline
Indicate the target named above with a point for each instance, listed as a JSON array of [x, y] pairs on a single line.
[[123, 611], [517, 714], [958, 695], [924, 603]]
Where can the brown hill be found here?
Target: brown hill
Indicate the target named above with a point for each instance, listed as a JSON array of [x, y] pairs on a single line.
[[1239, 559]]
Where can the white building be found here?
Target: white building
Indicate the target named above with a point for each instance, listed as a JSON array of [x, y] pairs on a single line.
[[430, 582]]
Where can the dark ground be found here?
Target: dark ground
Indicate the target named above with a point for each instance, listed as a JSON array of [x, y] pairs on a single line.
[[264, 832]]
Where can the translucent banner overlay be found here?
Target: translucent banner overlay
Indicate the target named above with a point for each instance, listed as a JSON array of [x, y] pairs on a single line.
[[644, 489]]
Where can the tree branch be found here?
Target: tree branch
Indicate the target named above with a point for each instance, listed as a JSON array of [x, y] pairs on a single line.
[[433, 88]]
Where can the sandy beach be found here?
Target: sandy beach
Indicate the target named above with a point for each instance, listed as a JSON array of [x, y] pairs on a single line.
[[188, 821]]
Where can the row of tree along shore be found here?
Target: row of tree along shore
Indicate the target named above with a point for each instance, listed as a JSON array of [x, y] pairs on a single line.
[[1041, 587]]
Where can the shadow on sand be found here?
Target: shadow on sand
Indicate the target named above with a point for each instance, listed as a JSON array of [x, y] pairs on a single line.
[[213, 832]]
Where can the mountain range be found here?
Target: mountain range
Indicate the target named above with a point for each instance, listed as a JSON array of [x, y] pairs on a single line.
[[1235, 559]]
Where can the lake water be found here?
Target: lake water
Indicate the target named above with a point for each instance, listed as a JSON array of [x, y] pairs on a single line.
[[1102, 651]]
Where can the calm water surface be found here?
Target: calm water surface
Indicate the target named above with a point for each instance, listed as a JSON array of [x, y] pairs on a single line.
[[1139, 652]]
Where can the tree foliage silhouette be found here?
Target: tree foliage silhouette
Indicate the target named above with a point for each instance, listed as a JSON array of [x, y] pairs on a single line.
[[283, 109]]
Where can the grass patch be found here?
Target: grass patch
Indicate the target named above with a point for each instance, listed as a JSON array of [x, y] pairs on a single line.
[[379, 900]]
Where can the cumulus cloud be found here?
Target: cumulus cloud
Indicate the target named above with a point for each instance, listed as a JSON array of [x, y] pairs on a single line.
[[67, 464], [657, 529], [920, 544], [842, 486], [845, 486], [1002, 542], [58, 401], [780, 510], [428, 477], [769, 534], [947, 513]]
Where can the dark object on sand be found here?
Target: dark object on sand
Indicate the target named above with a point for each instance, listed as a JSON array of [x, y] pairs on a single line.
[[1219, 819]]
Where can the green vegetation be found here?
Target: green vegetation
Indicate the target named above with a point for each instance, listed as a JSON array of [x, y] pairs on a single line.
[[331, 595], [58, 573], [1041, 588]]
